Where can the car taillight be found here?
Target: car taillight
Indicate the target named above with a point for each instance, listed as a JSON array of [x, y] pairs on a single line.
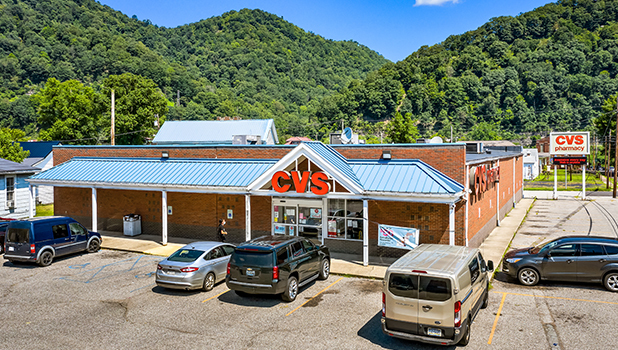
[[228, 268], [276, 272], [189, 269], [383, 305], [458, 314], [32, 249], [159, 267]]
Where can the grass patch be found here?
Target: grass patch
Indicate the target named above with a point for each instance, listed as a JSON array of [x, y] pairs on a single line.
[[545, 182], [45, 210]]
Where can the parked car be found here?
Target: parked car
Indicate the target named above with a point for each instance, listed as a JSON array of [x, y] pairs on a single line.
[[277, 264], [42, 239], [572, 258], [4, 223], [433, 293], [194, 266]]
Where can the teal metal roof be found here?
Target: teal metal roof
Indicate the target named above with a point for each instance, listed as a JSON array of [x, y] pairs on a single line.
[[371, 176], [335, 158], [407, 176], [157, 172]]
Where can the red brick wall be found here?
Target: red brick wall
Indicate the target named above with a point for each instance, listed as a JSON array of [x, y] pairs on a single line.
[[486, 202], [72, 201], [432, 220], [450, 160]]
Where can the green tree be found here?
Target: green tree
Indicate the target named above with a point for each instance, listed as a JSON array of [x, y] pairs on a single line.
[[69, 112], [402, 129], [9, 145], [484, 131], [138, 103]]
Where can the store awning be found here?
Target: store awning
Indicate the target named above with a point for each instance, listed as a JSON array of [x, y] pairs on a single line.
[[124, 173]]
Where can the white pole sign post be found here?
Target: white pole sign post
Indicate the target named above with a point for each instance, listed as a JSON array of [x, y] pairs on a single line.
[[569, 144]]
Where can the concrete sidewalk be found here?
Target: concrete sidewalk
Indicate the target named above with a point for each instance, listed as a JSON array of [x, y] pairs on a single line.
[[493, 247]]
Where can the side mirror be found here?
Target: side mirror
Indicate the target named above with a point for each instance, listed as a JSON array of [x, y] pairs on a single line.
[[490, 265]]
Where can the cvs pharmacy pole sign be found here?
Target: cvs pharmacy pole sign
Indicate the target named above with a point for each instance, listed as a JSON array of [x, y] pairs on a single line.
[[569, 143]]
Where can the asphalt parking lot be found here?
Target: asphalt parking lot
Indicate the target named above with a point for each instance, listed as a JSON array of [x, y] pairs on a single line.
[[109, 300]]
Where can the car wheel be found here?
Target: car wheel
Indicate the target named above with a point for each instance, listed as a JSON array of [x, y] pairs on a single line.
[[466, 337], [94, 246], [325, 270], [209, 282], [485, 300], [291, 291], [611, 281], [46, 258], [528, 276]]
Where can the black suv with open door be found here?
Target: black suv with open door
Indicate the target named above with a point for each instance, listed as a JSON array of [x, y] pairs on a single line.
[[276, 265]]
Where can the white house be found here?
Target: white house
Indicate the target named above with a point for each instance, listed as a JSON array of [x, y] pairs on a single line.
[[200, 132], [531, 163], [14, 190], [42, 157]]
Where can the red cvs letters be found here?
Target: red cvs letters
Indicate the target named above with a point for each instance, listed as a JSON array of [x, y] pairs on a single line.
[[570, 139], [319, 186]]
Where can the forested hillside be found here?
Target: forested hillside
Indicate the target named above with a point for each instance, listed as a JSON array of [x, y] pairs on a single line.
[[249, 63], [515, 77]]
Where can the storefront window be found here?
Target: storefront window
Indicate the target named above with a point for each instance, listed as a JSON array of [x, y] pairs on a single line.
[[345, 219], [298, 220]]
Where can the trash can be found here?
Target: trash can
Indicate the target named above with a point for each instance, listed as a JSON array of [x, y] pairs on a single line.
[[132, 225]]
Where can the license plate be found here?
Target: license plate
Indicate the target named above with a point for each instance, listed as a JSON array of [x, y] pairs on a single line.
[[250, 273], [11, 249], [170, 272], [435, 332]]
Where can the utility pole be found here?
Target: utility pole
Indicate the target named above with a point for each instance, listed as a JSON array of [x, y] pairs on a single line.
[[113, 118], [607, 147], [616, 152]]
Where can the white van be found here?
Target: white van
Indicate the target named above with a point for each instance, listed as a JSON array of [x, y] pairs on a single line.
[[433, 293]]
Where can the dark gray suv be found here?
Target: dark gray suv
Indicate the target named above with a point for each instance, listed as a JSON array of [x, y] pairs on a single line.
[[571, 258], [276, 264]]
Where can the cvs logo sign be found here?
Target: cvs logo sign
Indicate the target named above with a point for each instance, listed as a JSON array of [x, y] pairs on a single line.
[[319, 186], [569, 143], [570, 139]]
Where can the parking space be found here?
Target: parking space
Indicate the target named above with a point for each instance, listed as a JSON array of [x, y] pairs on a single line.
[[109, 299]]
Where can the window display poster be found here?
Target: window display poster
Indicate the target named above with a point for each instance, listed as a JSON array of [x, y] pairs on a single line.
[[332, 228], [397, 237], [292, 230], [316, 213], [279, 229]]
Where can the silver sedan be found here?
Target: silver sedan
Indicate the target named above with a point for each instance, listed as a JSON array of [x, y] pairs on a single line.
[[194, 266]]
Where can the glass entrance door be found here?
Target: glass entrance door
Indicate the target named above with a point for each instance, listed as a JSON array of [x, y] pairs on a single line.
[[298, 218]]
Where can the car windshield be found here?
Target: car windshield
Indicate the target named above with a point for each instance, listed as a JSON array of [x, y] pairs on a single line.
[[544, 247], [185, 255]]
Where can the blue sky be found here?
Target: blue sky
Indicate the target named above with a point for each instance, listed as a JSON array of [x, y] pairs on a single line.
[[394, 28]]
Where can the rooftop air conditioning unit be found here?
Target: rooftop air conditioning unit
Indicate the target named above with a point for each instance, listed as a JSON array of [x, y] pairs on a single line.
[[10, 204]]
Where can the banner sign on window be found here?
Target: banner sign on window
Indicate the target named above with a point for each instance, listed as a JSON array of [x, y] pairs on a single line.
[[397, 237]]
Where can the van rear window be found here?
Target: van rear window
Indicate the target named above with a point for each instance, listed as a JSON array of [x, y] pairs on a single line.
[[435, 289], [251, 258], [405, 286], [18, 235]]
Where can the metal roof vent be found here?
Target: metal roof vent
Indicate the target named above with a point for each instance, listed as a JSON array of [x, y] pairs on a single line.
[[386, 155]]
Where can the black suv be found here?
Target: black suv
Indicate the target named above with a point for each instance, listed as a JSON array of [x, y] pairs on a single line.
[[571, 258], [276, 265]]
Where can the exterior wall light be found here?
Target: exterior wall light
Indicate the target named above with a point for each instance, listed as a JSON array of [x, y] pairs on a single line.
[[386, 155], [165, 154]]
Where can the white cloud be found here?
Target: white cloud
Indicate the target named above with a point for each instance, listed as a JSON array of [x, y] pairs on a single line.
[[434, 2]]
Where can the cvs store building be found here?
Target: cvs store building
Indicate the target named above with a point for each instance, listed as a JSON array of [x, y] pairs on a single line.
[[365, 200]]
